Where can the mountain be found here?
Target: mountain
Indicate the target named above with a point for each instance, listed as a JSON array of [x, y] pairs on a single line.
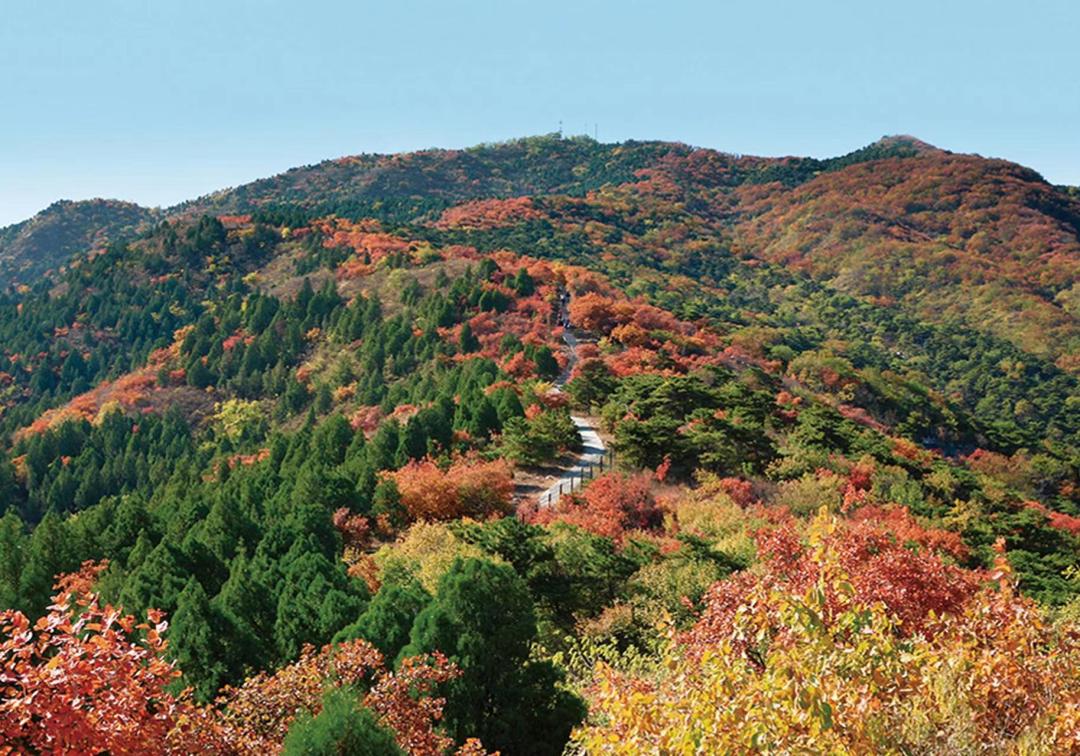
[[49, 239], [940, 235], [533, 166], [318, 409]]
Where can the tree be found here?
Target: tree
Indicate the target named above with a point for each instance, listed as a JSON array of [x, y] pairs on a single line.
[[523, 283], [511, 703], [547, 366], [386, 506], [196, 641], [467, 341], [343, 726], [467, 488], [524, 547], [12, 546], [389, 617], [414, 440], [592, 384], [989, 671], [48, 553], [90, 679], [540, 438], [331, 440], [610, 505], [315, 602], [246, 606], [258, 716], [592, 312], [158, 580], [10, 493]]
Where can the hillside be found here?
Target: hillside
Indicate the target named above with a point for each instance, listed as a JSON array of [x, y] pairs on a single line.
[[944, 237], [841, 398], [65, 228], [986, 241]]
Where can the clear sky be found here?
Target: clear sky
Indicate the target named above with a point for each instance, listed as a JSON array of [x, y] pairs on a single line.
[[157, 101]]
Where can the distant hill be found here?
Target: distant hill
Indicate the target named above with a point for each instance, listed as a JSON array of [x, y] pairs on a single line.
[[530, 166], [34, 246], [986, 240]]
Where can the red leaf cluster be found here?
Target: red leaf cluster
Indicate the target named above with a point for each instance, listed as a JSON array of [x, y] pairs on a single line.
[[887, 555], [487, 214], [355, 529], [256, 716], [466, 489], [88, 679], [611, 505]]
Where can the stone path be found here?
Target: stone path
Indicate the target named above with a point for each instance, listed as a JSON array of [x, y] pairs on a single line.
[[592, 446]]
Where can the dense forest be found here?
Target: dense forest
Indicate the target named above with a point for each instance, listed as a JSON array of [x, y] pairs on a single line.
[[269, 459]]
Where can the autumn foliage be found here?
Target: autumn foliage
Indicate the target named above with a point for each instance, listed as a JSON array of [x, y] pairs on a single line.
[[824, 663], [888, 558], [465, 489], [256, 716], [86, 678], [611, 505], [488, 213]]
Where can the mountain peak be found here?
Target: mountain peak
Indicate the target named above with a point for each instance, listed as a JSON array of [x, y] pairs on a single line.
[[906, 142], [64, 228]]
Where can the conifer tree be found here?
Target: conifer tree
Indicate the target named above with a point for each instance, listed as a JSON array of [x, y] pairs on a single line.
[[510, 703]]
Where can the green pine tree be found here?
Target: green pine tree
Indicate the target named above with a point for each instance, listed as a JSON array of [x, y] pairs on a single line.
[[511, 703], [343, 726]]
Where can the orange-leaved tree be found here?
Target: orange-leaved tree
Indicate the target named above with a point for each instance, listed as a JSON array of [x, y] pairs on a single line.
[[256, 716], [86, 678], [468, 488], [610, 505]]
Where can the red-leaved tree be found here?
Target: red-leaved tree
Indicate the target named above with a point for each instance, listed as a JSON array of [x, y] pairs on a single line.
[[610, 506], [88, 679], [466, 489]]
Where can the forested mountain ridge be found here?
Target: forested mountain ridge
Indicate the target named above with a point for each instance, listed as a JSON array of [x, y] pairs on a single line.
[[293, 413], [985, 241], [64, 229]]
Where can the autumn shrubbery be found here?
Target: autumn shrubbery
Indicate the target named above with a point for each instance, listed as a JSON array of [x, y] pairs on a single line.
[[852, 633], [88, 678], [611, 505], [474, 489], [823, 651]]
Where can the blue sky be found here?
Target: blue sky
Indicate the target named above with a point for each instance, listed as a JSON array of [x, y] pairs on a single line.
[[157, 101]]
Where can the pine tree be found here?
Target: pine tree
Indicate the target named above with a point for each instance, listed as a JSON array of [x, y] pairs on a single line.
[[413, 443], [48, 553], [467, 341], [315, 602], [343, 726], [389, 617], [195, 641], [157, 582], [13, 543], [523, 283], [331, 440], [247, 605], [509, 702]]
